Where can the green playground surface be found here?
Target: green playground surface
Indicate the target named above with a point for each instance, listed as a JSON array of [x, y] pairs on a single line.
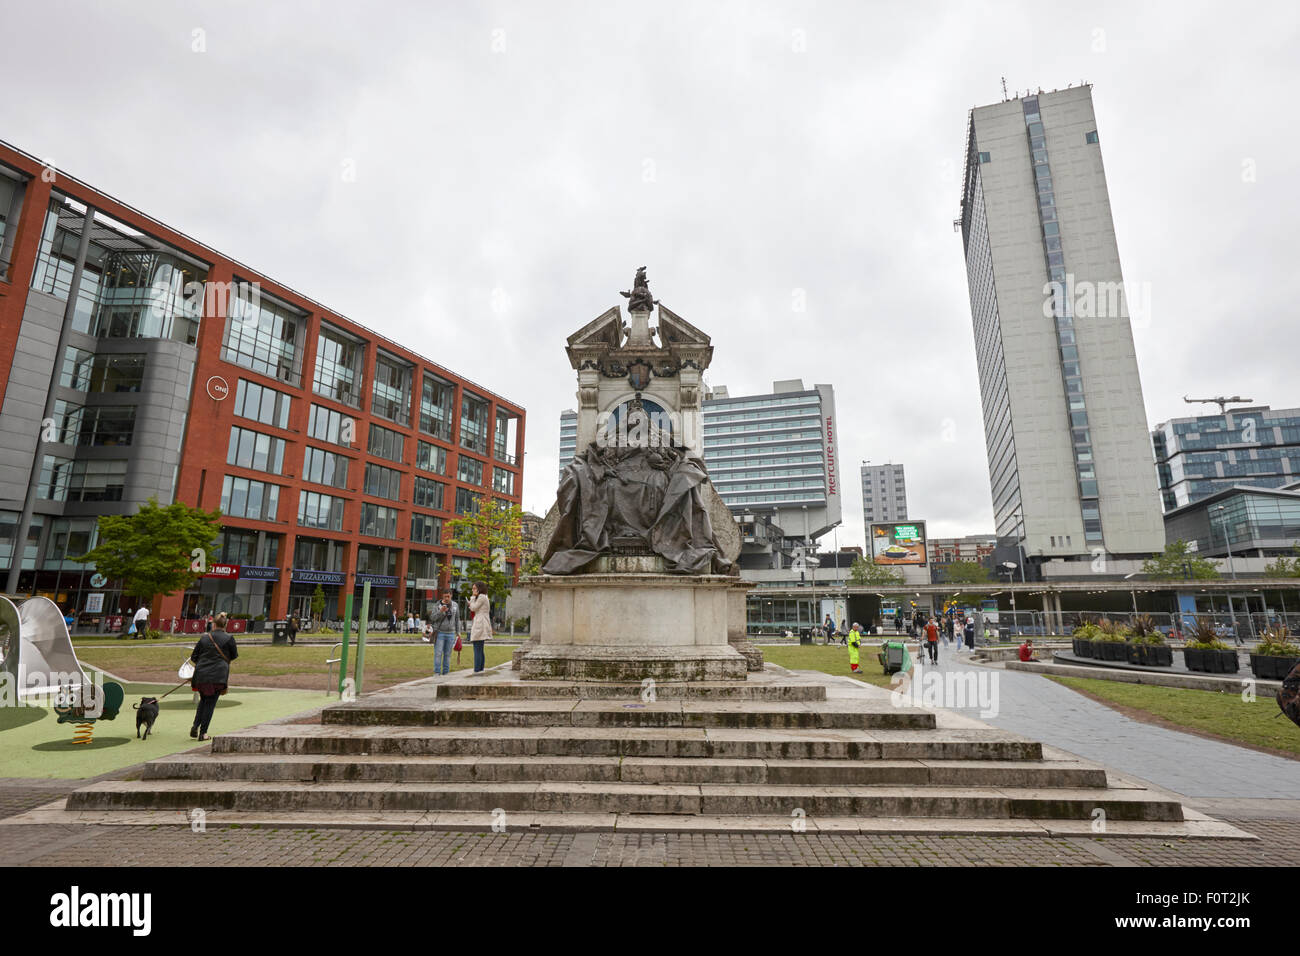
[[34, 744]]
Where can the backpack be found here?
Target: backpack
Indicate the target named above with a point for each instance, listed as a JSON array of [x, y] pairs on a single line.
[[1288, 697]]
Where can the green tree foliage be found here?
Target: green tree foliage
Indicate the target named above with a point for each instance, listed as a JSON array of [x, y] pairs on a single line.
[[493, 536], [1285, 567], [152, 551], [870, 574], [964, 572], [1179, 562], [317, 604]]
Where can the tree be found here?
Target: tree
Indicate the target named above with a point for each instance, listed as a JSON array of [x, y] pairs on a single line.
[[1285, 567], [492, 534], [1179, 562], [317, 605], [964, 572], [157, 550], [868, 573]]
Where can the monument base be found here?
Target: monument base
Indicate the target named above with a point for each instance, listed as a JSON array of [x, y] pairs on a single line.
[[629, 627]]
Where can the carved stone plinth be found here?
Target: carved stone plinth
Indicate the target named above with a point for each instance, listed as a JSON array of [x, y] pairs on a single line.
[[629, 626]]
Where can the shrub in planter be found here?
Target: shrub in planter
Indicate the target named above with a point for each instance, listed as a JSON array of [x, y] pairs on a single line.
[[1082, 639], [1110, 647], [1210, 657], [1276, 655], [1150, 650]]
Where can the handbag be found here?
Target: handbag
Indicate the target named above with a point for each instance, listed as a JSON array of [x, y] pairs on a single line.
[[187, 670], [456, 647]]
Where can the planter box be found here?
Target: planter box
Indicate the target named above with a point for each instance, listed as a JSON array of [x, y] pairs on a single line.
[[1151, 655], [1210, 661], [1272, 668], [1110, 650], [1082, 648]]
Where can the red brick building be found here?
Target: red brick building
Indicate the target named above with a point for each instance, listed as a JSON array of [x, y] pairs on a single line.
[[138, 362]]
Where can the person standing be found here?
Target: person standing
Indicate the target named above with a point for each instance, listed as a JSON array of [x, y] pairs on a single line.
[[211, 656], [855, 641], [932, 640], [293, 629], [444, 619], [481, 629], [140, 623], [410, 622], [970, 634]]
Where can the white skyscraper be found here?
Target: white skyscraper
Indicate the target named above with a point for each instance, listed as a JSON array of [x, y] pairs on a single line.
[[884, 494], [1069, 451]]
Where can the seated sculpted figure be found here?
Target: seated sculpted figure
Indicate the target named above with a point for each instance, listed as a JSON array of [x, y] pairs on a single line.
[[640, 487]]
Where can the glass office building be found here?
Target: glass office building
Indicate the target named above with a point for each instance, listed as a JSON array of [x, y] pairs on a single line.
[[1241, 520], [1199, 456]]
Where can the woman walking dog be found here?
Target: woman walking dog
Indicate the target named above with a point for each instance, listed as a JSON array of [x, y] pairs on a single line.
[[211, 656]]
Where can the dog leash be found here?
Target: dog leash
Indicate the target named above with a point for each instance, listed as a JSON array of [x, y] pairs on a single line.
[[176, 688]]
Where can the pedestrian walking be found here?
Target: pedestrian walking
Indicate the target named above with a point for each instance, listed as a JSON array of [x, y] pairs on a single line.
[[970, 634], [854, 642], [481, 629], [410, 622], [293, 629], [392, 622], [932, 640], [211, 656], [444, 619], [140, 623]]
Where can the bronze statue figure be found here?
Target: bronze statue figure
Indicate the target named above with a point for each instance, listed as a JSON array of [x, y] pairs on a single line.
[[639, 300]]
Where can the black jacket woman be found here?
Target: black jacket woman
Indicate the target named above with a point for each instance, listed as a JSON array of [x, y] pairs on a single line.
[[211, 656]]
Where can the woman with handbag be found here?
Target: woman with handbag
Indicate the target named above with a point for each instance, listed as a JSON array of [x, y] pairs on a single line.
[[481, 629], [211, 656]]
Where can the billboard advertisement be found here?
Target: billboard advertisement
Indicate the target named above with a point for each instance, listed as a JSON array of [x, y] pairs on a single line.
[[900, 543]]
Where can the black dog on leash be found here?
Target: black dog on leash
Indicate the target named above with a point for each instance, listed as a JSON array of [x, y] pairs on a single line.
[[146, 714]]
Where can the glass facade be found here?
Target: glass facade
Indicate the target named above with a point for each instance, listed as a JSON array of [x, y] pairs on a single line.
[[325, 424], [250, 449], [81, 480], [430, 458], [383, 482], [1248, 524], [386, 443], [92, 372], [263, 336], [429, 494], [425, 529], [1197, 457], [392, 391], [324, 512], [338, 366], [473, 423], [469, 470], [262, 404], [246, 498], [378, 521], [437, 398], [766, 451], [324, 467]]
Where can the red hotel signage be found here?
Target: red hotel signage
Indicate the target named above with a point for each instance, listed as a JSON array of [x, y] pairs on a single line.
[[223, 571]]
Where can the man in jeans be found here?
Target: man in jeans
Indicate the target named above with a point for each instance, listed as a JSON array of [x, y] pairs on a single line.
[[445, 620]]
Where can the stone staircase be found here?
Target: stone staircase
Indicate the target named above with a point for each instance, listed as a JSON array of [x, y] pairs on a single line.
[[772, 753]]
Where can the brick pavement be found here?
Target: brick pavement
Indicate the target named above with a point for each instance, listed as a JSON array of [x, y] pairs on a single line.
[[80, 846]]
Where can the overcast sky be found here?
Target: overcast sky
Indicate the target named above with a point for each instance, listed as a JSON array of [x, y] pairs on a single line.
[[479, 181]]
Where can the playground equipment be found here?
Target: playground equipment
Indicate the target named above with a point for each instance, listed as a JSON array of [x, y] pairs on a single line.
[[39, 661]]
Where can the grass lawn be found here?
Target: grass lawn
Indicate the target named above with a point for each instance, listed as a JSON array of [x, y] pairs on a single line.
[[302, 667], [1226, 716], [829, 660], [34, 744]]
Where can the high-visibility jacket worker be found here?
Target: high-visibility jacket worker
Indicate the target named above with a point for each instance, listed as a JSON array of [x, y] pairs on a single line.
[[855, 641]]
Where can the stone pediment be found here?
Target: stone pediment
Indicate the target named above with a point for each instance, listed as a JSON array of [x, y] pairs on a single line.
[[674, 331], [602, 334]]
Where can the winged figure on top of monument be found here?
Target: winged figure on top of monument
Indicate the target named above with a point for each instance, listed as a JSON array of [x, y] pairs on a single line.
[[639, 300]]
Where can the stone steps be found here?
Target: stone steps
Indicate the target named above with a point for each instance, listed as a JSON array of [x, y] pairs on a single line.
[[424, 712], [699, 690], [620, 797], [290, 740], [1042, 774]]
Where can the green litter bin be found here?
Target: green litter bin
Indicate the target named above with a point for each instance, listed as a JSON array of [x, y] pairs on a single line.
[[894, 657]]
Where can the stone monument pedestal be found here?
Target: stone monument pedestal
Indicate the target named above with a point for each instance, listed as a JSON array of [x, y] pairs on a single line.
[[632, 626]]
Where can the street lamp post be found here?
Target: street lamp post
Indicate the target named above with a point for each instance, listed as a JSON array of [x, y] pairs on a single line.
[[1232, 614], [1011, 584]]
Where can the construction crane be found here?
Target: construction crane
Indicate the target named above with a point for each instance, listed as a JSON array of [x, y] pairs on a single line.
[[1219, 400]]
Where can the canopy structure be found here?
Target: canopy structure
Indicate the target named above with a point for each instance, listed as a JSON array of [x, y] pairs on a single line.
[[38, 653]]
